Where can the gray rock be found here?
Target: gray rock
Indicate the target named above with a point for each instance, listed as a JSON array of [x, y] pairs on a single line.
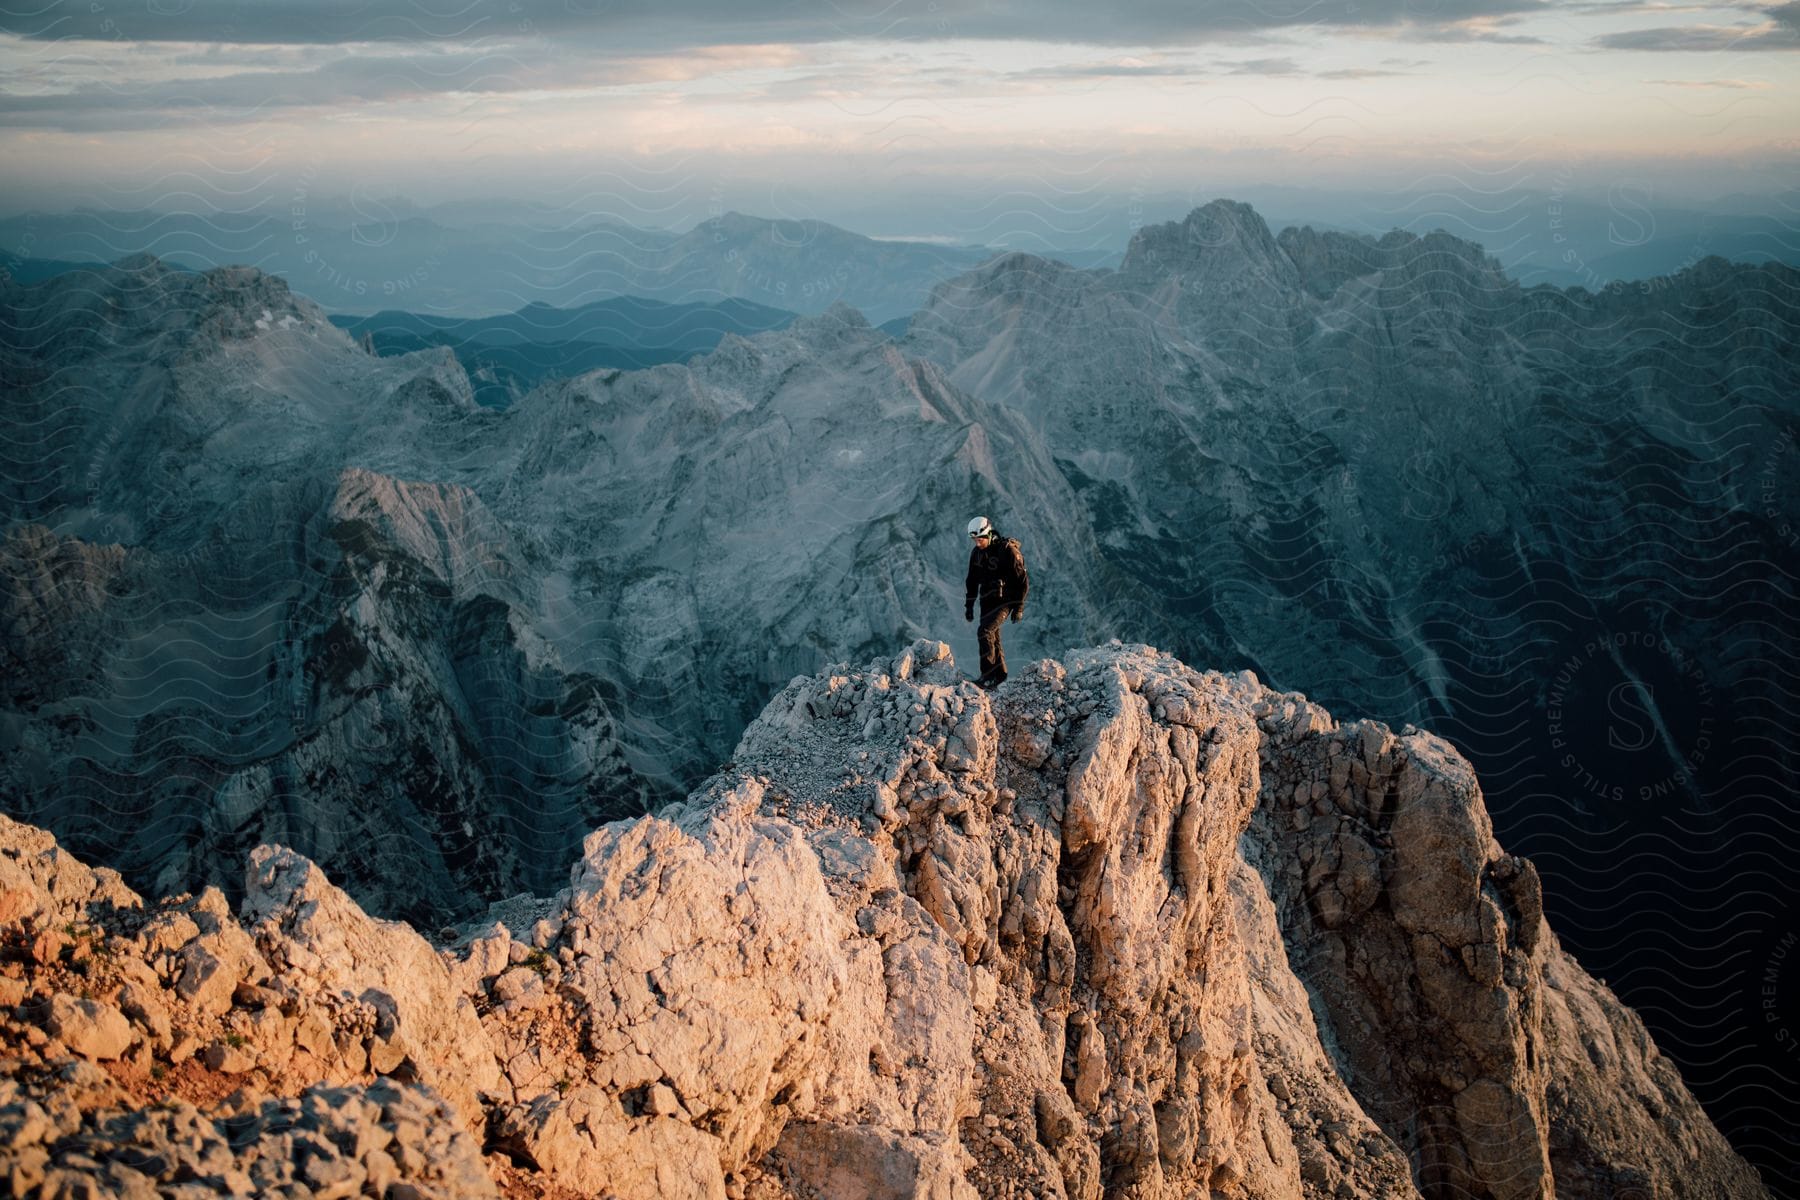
[[329, 1141]]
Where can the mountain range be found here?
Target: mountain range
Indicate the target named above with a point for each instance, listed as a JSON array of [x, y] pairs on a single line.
[[262, 586], [362, 254], [376, 258], [506, 356]]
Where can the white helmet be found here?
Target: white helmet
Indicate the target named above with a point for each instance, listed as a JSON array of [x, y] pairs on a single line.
[[981, 527]]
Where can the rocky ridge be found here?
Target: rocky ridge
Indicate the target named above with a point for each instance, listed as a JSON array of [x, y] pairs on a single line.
[[1121, 928]]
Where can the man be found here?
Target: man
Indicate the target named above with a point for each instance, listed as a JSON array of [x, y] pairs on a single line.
[[997, 576]]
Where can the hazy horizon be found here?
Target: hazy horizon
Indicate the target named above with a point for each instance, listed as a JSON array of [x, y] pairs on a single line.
[[362, 252], [935, 213], [982, 123]]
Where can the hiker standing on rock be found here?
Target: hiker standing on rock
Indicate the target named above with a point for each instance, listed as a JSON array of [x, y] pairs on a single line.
[[997, 577]]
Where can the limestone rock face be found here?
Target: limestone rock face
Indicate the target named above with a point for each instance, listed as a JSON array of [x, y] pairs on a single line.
[[320, 942], [1455, 1014], [1424, 941], [52, 611], [1620, 1119], [1308, 1115], [1117, 929], [42, 883], [1085, 981]]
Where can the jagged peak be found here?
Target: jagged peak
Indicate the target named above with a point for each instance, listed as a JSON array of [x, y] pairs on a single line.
[[361, 489], [842, 312], [442, 527], [736, 223], [1327, 258], [1224, 210], [842, 325], [193, 288], [1022, 262], [1219, 231], [176, 310], [1012, 273]]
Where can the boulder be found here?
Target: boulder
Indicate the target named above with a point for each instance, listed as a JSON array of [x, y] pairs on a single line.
[[90, 1028]]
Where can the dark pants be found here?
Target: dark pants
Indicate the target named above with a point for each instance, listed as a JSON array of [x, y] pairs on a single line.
[[993, 658]]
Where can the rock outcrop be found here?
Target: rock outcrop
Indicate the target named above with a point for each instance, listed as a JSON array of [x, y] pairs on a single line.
[[1119, 928], [1454, 1011]]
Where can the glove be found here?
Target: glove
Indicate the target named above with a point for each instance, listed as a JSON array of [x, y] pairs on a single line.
[[968, 612], [1017, 613]]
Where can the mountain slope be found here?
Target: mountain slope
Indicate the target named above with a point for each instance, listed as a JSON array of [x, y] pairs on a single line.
[[326, 598], [506, 356], [920, 940]]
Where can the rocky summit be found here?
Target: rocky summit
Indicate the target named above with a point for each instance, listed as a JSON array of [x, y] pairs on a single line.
[[1120, 928]]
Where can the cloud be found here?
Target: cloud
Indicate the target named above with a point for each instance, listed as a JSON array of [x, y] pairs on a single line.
[[337, 77], [1734, 84], [217, 54], [351, 80], [1614, 8], [1691, 38], [1127, 68], [1262, 66], [629, 25], [1779, 29], [1470, 31], [1358, 73]]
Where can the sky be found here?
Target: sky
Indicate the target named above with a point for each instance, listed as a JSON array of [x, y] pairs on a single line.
[[958, 120]]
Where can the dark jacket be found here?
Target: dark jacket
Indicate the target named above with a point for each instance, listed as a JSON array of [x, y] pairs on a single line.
[[997, 575]]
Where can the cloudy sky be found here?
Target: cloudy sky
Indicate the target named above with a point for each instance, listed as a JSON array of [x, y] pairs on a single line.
[[858, 110]]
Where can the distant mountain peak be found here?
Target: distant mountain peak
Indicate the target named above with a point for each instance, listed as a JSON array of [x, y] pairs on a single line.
[[142, 261], [90, 311], [1216, 232], [737, 222], [845, 313], [1015, 268]]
